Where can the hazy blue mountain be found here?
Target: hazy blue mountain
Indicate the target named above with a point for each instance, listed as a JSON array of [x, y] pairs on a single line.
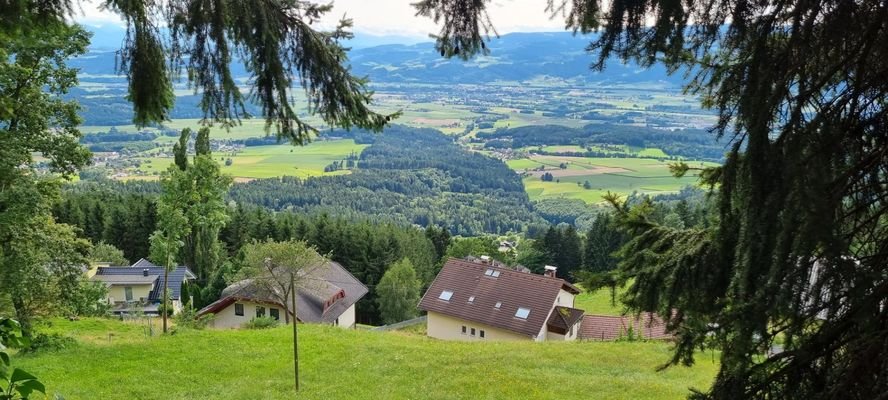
[[513, 57]]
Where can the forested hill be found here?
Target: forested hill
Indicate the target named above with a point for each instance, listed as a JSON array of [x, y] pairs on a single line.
[[688, 143], [409, 176]]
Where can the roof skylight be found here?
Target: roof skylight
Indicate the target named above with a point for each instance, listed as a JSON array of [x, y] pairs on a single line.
[[498, 304], [495, 274], [489, 272], [446, 295], [522, 312], [471, 299]]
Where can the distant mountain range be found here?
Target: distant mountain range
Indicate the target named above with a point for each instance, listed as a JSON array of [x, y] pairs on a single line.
[[516, 57]]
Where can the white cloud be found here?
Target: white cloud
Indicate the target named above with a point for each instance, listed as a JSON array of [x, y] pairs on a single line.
[[394, 17]]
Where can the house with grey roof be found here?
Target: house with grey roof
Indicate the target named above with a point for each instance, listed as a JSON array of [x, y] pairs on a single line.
[[327, 295], [139, 287], [478, 300]]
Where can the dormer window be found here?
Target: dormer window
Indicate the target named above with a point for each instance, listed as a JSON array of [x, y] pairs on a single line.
[[446, 295], [522, 313]]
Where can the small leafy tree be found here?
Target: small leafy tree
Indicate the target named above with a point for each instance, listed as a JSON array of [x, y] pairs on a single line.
[[104, 252], [88, 299], [172, 225], [279, 269], [398, 292]]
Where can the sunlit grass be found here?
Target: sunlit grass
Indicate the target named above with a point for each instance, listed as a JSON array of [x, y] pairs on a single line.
[[349, 364]]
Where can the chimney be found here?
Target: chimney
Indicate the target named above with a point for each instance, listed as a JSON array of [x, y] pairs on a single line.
[[145, 272], [485, 259], [550, 271]]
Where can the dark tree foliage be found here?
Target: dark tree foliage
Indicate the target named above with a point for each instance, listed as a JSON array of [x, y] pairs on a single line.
[[440, 238], [602, 241], [801, 242], [465, 26], [124, 220], [275, 40], [561, 247]]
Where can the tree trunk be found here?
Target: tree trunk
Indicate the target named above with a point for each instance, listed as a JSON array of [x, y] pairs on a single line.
[[295, 341], [23, 317], [166, 297]]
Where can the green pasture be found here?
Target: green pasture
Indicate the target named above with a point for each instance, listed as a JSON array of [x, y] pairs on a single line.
[[272, 161], [116, 360]]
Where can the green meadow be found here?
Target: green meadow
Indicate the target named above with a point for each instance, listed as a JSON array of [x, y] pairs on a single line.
[[116, 360], [272, 161], [616, 175]]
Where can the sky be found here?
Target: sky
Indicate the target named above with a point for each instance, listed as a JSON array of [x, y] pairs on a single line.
[[396, 17]]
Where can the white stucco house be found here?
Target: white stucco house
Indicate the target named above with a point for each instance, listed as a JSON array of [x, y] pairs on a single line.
[[329, 298], [139, 287]]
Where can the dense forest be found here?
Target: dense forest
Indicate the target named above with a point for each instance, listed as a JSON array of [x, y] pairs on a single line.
[[125, 216], [689, 143], [410, 176], [127, 220]]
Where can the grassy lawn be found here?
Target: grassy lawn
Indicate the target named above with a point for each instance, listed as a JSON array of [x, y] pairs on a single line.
[[599, 302], [350, 364]]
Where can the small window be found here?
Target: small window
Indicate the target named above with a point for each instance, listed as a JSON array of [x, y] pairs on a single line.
[[495, 274], [481, 334], [522, 312], [471, 299], [239, 309], [473, 331], [498, 305], [489, 272], [260, 311], [464, 330], [275, 313], [128, 292], [446, 295]]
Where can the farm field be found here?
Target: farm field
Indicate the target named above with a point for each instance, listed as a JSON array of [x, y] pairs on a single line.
[[349, 364], [617, 175], [272, 161]]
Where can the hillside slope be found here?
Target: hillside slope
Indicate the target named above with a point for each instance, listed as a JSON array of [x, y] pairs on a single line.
[[341, 364]]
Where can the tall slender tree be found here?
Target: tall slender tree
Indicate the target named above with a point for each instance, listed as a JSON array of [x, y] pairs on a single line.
[[602, 241]]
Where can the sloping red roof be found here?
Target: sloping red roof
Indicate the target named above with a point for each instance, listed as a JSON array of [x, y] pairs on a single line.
[[607, 327], [563, 318], [513, 289]]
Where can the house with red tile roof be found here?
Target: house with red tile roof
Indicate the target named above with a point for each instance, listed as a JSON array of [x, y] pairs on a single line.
[[480, 300]]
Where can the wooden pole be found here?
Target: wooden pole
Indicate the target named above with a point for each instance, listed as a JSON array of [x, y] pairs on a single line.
[[295, 341], [165, 298]]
